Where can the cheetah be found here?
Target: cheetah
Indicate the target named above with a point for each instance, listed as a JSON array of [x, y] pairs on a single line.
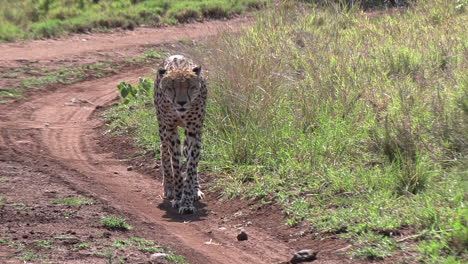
[[180, 95]]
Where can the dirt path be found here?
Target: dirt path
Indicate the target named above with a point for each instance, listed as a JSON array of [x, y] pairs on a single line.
[[79, 47], [55, 129], [64, 132]]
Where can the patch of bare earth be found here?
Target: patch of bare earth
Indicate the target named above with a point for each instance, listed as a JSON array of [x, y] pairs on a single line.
[[36, 228]]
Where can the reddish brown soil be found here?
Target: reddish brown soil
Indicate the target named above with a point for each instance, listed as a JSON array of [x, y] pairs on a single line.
[[53, 146]]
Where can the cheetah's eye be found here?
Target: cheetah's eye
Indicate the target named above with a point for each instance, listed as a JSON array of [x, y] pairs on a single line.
[[197, 70], [161, 72]]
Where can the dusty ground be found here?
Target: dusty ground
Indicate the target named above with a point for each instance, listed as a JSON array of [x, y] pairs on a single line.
[[53, 145]]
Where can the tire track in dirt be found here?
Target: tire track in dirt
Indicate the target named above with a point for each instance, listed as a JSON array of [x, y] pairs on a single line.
[[69, 139]]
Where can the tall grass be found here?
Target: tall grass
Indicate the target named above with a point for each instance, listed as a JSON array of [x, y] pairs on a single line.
[[353, 123], [23, 19]]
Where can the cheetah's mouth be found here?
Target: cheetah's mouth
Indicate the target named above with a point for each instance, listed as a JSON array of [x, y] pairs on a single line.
[[182, 110]]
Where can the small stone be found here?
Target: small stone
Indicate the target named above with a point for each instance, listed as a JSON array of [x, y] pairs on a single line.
[[129, 168], [156, 256], [304, 255], [242, 235], [116, 172]]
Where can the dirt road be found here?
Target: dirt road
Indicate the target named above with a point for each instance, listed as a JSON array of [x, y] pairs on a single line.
[[56, 134]]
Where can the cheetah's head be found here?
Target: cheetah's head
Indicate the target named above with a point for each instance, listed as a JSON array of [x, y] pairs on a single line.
[[181, 86]]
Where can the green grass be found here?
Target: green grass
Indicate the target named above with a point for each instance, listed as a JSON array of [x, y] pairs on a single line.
[[115, 223], [81, 246], [145, 246], [20, 206], [121, 244], [25, 19], [30, 256], [357, 127], [371, 245], [67, 214], [176, 258], [73, 201], [44, 243]]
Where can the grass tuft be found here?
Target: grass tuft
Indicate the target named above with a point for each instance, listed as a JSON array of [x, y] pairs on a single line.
[[73, 201], [115, 223]]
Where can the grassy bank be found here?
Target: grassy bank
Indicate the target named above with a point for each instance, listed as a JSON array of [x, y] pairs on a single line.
[[26, 19], [349, 122], [35, 77]]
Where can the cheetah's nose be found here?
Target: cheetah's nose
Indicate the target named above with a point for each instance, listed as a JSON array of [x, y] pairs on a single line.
[[181, 103]]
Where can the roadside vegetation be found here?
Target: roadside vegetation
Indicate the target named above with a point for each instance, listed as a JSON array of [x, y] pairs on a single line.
[[354, 123], [26, 19], [31, 78]]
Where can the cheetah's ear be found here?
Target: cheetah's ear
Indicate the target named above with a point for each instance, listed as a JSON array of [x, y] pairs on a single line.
[[161, 72], [197, 70]]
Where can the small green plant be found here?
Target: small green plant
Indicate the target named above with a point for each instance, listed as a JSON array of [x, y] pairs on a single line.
[[115, 223], [73, 201], [142, 241], [18, 245], [110, 256], [3, 241], [44, 243], [20, 206], [4, 179], [152, 54], [371, 245], [121, 244], [149, 249], [129, 92], [67, 214], [176, 258], [81, 246], [29, 256]]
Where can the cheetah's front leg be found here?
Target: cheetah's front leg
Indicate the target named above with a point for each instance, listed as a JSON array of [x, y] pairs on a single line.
[[168, 177], [191, 190], [187, 147]]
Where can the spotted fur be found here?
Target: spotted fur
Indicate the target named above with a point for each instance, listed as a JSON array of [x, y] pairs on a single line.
[[180, 100]]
